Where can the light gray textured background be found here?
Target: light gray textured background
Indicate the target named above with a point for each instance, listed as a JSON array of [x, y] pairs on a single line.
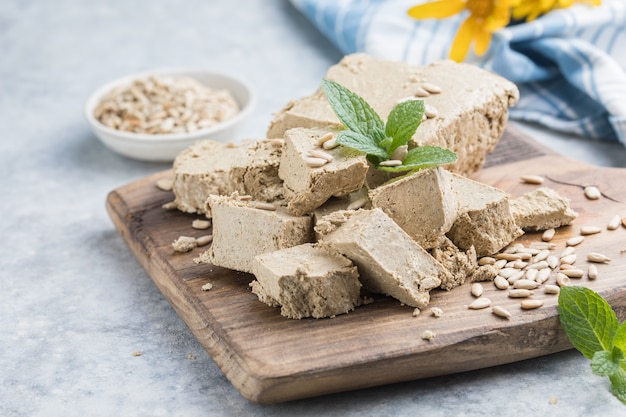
[[74, 303]]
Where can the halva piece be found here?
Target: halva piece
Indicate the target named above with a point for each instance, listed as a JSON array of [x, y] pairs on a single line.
[[256, 174], [201, 170], [542, 209], [241, 232], [307, 185], [468, 114], [388, 260], [483, 219], [422, 204], [307, 281]]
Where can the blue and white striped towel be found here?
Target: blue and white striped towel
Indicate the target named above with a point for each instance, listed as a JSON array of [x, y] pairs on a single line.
[[570, 64]]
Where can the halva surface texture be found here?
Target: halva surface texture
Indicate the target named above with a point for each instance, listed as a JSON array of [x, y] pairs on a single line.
[[468, 114], [241, 232], [484, 220], [306, 281], [423, 204], [308, 187], [542, 209], [388, 260]]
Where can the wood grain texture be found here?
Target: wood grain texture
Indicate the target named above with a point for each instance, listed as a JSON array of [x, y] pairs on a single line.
[[269, 358]]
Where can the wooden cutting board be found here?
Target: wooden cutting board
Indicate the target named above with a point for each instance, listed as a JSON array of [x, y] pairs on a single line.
[[269, 358]]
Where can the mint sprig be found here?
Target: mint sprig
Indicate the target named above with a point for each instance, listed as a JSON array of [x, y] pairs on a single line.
[[366, 131], [592, 327]]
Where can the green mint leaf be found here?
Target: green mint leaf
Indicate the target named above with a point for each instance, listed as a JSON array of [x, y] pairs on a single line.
[[618, 384], [424, 157], [361, 143], [354, 112], [403, 121], [619, 339], [588, 320], [605, 363]]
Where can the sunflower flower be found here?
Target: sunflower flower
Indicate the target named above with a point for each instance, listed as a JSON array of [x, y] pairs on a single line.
[[485, 17], [530, 9]]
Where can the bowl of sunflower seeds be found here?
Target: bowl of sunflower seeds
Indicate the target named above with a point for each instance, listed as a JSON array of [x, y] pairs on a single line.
[[152, 116]]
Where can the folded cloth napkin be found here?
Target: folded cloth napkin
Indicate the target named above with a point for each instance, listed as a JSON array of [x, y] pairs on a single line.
[[569, 64]]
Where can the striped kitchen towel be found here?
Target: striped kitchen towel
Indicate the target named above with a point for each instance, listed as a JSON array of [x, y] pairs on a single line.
[[570, 64]]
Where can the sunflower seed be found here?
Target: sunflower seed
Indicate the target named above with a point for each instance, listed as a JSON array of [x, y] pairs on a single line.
[[516, 276], [390, 163], [508, 256], [330, 144], [165, 184], [315, 162], [316, 153], [551, 289], [324, 138], [531, 274], [597, 257], [430, 111], [525, 284], [357, 204], [431, 88], [548, 235], [592, 192], [421, 92], [486, 260], [262, 205], [501, 283], [477, 289], [573, 273], [568, 251], [574, 241], [543, 275], [562, 280], [501, 312], [400, 153], [479, 303], [552, 261], [613, 223], [521, 293], [204, 240], [532, 179], [531, 304], [592, 272], [589, 230], [541, 256], [569, 259], [201, 224]]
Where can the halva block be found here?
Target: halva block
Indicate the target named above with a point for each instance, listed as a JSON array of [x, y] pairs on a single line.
[[542, 209], [469, 105], [241, 231], [308, 186], [484, 219], [306, 281], [388, 260], [256, 173], [201, 170], [423, 204]]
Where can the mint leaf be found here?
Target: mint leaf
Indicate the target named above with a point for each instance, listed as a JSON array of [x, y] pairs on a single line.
[[619, 339], [618, 384], [354, 112], [605, 363], [423, 157], [588, 320], [361, 143], [403, 121]]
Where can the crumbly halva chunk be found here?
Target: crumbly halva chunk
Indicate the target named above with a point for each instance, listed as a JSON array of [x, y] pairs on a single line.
[[471, 109], [201, 170], [306, 281], [484, 219], [256, 174], [241, 232], [388, 260], [484, 273], [423, 204], [460, 264], [542, 209], [308, 187]]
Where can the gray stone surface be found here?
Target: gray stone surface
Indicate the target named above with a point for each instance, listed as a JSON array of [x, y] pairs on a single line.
[[75, 304]]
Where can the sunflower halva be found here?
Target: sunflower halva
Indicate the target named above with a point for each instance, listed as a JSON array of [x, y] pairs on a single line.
[[317, 229]]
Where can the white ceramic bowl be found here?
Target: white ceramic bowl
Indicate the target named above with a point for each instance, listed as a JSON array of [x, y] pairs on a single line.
[[165, 147]]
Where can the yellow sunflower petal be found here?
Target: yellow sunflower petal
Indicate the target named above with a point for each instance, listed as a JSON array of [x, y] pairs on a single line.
[[437, 9], [463, 39], [482, 40]]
